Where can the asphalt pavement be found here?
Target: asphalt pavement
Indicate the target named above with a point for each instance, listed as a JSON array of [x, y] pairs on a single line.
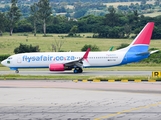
[[67, 100]]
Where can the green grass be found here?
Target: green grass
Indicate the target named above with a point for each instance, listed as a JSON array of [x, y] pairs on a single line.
[[116, 4], [9, 43], [40, 77], [154, 14], [73, 77]]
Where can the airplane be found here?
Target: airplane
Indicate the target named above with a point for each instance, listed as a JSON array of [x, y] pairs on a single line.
[[76, 61]]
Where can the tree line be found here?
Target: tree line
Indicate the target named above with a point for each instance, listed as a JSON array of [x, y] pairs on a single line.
[[112, 25], [82, 8], [39, 14]]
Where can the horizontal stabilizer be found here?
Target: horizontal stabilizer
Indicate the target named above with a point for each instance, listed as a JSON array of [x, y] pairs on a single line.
[[146, 53], [154, 51], [143, 53]]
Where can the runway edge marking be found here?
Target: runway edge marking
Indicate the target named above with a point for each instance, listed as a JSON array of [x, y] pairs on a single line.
[[121, 80]]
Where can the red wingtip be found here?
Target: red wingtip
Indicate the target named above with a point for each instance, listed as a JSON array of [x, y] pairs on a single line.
[[86, 54], [145, 35]]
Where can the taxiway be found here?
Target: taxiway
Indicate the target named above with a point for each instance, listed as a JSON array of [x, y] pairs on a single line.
[[106, 73], [67, 100]]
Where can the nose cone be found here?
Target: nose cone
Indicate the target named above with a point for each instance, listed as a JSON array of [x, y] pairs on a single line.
[[3, 62]]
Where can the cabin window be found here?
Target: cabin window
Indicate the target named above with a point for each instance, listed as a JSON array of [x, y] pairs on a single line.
[[8, 62]]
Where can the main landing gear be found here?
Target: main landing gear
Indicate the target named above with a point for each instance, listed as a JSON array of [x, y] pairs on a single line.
[[78, 70], [16, 71]]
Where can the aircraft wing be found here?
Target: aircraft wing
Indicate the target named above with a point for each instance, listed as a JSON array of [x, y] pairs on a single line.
[[78, 63]]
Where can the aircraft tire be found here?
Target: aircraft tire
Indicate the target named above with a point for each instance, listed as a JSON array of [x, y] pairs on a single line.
[[78, 70], [75, 71], [17, 71]]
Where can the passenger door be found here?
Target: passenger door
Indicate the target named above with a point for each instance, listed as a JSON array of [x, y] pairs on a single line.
[[19, 59]]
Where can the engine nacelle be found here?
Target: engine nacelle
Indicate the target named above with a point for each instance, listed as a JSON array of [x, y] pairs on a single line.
[[56, 67]]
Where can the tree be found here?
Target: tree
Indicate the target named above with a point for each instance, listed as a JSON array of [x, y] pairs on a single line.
[[34, 15], [56, 46], [103, 31], [111, 19], [23, 26], [157, 33], [80, 13], [2, 22], [133, 19], [143, 2], [13, 15], [127, 30], [73, 31], [123, 45], [92, 48], [44, 12], [136, 16], [26, 48], [157, 2]]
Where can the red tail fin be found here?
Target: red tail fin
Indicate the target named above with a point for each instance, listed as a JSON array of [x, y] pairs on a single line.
[[145, 35]]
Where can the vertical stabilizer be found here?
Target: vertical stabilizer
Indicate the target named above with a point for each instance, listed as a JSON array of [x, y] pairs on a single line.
[[142, 41], [138, 49], [145, 35]]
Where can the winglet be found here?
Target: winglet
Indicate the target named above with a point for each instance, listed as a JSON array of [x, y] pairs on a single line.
[[111, 48], [86, 54]]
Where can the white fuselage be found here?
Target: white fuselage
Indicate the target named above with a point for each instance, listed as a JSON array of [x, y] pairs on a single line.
[[44, 59]]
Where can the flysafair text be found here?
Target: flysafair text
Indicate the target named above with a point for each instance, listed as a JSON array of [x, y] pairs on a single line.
[[47, 58]]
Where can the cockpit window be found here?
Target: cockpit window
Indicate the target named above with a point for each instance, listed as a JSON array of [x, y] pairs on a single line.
[[10, 58]]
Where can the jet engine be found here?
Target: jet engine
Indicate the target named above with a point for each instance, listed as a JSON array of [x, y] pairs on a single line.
[[56, 67]]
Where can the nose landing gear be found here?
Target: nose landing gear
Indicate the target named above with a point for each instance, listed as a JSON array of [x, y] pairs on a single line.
[[16, 71]]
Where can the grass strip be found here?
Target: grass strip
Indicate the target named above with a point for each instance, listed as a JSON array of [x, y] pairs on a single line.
[[9, 43], [38, 77], [73, 77]]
